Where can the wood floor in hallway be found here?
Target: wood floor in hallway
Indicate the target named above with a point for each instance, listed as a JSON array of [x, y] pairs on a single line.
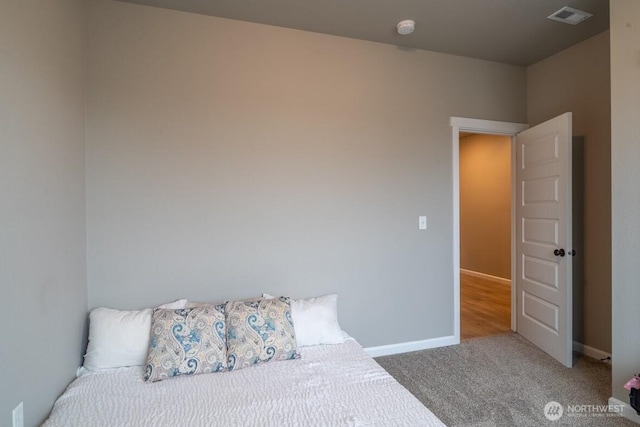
[[485, 307]]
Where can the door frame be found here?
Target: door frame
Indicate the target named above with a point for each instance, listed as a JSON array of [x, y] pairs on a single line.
[[489, 127]]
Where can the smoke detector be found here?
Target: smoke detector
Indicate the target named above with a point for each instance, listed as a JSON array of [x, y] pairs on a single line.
[[569, 15], [406, 27]]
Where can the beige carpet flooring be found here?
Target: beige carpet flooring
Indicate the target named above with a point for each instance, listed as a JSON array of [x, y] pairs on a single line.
[[503, 380]]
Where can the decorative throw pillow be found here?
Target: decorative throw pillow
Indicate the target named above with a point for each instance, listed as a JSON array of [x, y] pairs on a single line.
[[188, 341], [259, 331], [315, 320]]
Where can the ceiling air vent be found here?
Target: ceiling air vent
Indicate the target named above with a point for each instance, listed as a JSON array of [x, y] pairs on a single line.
[[569, 15]]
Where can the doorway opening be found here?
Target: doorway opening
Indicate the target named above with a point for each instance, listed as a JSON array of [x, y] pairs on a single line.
[[483, 127], [485, 234]]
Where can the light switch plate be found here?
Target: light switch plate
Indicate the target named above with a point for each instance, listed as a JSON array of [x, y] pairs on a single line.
[[18, 416], [422, 222]]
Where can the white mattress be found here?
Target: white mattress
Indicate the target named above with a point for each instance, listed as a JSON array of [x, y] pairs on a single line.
[[330, 385]]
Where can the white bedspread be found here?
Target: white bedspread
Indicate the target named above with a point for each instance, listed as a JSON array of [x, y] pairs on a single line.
[[330, 385]]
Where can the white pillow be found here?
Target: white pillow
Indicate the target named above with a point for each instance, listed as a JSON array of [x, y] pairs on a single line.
[[176, 305], [120, 338], [117, 338], [315, 320]]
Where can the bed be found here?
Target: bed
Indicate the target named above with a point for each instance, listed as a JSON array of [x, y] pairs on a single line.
[[327, 385]]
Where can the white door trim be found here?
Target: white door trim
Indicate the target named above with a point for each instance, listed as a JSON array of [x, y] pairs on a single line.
[[493, 128]]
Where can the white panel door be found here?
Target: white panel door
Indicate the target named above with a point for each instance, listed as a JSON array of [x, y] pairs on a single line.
[[543, 237]]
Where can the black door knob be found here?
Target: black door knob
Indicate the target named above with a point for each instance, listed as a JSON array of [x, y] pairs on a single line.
[[572, 252], [559, 252]]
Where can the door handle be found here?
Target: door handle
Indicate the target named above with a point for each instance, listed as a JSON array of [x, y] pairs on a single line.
[[559, 252], [572, 252]]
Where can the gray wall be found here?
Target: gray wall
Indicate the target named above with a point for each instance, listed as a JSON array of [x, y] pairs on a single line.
[[226, 159], [625, 153], [578, 80], [43, 296]]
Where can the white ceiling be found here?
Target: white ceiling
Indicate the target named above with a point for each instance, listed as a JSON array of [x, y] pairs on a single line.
[[510, 31]]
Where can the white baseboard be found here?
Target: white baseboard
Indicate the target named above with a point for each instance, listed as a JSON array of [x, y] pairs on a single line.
[[627, 411], [590, 351], [497, 279], [405, 347]]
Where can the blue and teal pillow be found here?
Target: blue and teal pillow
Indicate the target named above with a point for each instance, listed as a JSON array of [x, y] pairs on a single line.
[[259, 331], [187, 341]]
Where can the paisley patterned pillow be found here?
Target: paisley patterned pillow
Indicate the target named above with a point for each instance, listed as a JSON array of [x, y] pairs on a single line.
[[188, 341], [259, 331]]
